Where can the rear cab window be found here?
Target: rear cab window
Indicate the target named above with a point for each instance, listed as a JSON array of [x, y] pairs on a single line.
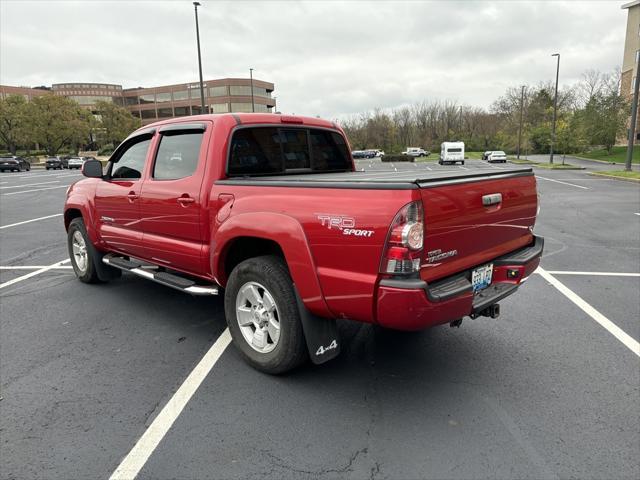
[[287, 150]]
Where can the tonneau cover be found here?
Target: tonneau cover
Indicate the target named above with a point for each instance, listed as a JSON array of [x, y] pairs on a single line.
[[405, 179]]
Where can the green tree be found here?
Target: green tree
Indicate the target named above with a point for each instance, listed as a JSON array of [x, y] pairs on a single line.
[[605, 115], [115, 122], [14, 122], [59, 122]]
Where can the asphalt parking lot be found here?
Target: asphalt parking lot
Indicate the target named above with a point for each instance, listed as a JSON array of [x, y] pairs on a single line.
[[549, 390]]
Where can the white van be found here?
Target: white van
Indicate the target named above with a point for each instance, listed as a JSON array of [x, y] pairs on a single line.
[[451, 152]]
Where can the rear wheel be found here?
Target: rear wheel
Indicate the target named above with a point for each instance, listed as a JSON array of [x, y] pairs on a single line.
[[262, 315], [80, 253]]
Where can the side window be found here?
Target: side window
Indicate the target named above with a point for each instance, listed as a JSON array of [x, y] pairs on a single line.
[[131, 163], [177, 156]]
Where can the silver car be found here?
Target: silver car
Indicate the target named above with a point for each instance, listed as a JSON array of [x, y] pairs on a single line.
[[76, 162]]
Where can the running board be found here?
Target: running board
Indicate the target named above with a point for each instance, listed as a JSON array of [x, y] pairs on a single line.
[[150, 273]]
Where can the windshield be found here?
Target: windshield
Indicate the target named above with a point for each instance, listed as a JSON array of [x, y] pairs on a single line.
[[454, 150]]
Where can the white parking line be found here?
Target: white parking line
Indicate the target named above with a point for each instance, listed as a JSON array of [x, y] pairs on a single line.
[[37, 267], [35, 190], [564, 183], [637, 213], [607, 324], [151, 438], [30, 184], [604, 274], [32, 274], [29, 221]]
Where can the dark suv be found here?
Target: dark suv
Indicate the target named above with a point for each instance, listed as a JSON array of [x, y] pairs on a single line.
[[54, 163], [13, 163]]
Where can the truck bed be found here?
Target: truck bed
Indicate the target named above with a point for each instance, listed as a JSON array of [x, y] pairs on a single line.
[[379, 180]]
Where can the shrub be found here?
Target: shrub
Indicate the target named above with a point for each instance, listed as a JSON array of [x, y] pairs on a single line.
[[398, 158], [105, 151]]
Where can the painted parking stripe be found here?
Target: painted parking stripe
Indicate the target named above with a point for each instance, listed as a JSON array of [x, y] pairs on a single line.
[[30, 184], [36, 267], [595, 274], [607, 324], [32, 274], [35, 190], [32, 220], [564, 183], [637, 213], [151, 438]]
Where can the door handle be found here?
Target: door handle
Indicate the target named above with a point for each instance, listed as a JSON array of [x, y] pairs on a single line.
[[492, 199], [185, 200], [132, 196]]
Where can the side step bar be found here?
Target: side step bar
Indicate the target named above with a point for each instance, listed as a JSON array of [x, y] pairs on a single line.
[[168, 279]]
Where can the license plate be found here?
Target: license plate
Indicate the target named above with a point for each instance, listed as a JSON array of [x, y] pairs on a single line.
[[481, 277]]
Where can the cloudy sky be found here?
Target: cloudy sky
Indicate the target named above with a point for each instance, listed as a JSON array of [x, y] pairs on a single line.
[[330, 58]]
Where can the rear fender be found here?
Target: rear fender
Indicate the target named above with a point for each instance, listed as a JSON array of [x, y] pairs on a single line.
[[289, 235]]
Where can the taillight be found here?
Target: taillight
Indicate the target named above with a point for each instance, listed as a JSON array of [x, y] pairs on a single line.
[[403, 248]]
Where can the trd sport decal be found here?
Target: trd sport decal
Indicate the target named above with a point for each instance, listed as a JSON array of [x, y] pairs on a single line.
[[344, 223]]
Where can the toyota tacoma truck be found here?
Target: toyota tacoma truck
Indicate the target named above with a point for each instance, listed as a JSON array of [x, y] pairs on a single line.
[[270, 210]]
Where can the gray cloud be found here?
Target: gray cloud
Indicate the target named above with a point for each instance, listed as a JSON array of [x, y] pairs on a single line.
[[326, 57]]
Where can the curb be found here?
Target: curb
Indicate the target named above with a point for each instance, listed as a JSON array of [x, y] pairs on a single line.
[[572, 167], [613, 177]]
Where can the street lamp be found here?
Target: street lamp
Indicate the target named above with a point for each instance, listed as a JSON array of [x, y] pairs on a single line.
[[253, 106], [555, 109], [520, 127], [195, 6]]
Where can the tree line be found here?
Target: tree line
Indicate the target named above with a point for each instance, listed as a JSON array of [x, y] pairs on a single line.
[[590, 114], [57, 124]]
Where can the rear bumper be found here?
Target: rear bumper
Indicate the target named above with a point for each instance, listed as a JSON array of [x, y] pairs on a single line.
[[412, 304]]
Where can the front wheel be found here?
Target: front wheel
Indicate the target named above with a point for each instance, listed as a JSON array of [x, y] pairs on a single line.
[[80, 253], [262, 315]]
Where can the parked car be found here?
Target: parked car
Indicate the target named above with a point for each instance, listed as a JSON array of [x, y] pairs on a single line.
[[53, 163], [295, 236], [14, 164], [363, 154], [451, 152], [379, 153], [416, 152], [497, 156], [75, 162]]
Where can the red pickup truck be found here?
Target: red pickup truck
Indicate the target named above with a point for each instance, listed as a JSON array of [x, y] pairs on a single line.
[[270, 209]]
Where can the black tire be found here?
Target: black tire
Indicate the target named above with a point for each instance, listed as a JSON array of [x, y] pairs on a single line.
[[47, 168], [88, 274], [290, 349]]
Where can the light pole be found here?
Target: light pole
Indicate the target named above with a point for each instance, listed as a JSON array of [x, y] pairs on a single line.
[[520, 128], [555, 109], [632, 123], [253, 106], [195, 6]]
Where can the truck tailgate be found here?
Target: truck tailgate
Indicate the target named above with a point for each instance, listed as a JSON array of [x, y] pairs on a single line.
[[470, 221]]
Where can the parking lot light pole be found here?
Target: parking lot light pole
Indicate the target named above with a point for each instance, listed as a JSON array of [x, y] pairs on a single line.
[[555, 109], [520, 128], [253, 105], [195, 6], [632, 123]]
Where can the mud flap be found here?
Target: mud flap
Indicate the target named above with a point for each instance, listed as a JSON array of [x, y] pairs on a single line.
[[104, 272], [321, 334]]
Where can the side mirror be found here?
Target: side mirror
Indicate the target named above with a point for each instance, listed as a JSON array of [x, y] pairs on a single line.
[[92, 169]]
